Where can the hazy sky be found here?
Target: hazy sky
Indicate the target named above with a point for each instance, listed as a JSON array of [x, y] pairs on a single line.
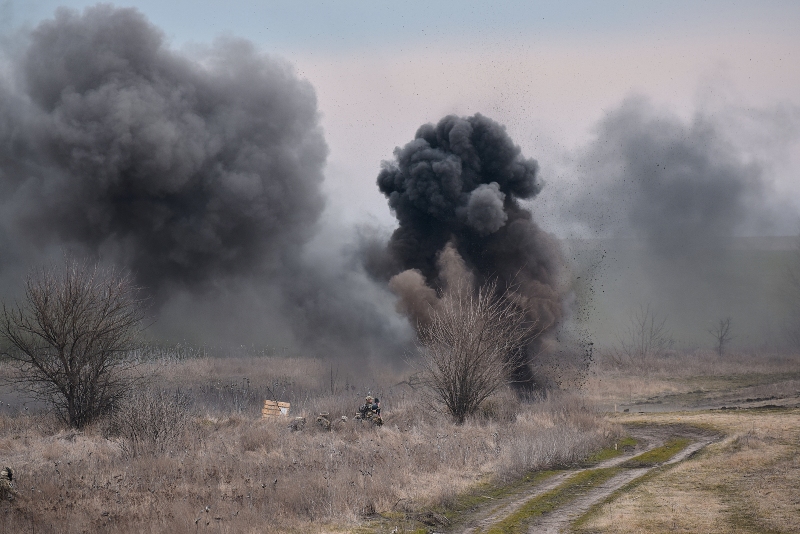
[[548, 71]]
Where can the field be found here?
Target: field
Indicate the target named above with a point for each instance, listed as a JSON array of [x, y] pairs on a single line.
[[746, 481], [218, 467], [590, 461]]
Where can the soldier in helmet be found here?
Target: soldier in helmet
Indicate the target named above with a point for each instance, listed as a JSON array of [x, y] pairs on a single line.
[[365, 411], [370, 411]]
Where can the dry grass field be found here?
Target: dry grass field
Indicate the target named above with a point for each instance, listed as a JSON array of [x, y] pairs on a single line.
[[694, 379], [747, 482], [215, 466], [218, 467]]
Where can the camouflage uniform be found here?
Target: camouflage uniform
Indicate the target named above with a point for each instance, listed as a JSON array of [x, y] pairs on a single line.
[[370, 411], [324, 421], [6, 486]]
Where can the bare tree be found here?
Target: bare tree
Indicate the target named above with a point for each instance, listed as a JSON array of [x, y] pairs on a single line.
[[793, 294], [722, 335], [69, 338], [471, 346], [645, 338]]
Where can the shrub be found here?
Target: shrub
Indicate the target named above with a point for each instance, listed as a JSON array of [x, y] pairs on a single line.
[[151, 422]]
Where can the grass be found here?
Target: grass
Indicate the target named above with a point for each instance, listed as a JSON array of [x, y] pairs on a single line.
[[484, 493], [693, 377], [569, 490], [582, 482], [487, 492], [481, 495], [231, 471], [658, 455], [620, 446], [745, 483]]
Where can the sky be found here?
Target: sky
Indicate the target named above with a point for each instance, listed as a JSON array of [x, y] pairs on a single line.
[[548, 71]]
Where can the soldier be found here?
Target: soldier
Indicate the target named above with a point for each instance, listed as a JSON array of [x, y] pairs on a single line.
[[6, 488], [370, 411], [376, 409], [324, 421], [365, 412]]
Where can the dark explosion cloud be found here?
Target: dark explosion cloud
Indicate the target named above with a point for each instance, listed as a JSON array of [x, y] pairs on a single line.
[[183, 171], [200, 175], [456, 191]]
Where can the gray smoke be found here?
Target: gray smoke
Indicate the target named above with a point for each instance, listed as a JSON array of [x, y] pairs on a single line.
[[200, 176], [181, 170], [680, 187], [485, 211], [456, 190], [671, 200]]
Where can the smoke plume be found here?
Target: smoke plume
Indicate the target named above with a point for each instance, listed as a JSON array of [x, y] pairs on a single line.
[[181, 170], [201, 176], [671, 200], [679, 187], [455, 191]]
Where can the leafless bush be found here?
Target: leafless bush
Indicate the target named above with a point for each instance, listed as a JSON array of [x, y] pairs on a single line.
[[722, 335], [793, 275], [646, 338], [472, 345], [151, 422], [70, 336]]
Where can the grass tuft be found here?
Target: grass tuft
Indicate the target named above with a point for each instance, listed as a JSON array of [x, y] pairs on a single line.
[[620, 446], [658, 455]]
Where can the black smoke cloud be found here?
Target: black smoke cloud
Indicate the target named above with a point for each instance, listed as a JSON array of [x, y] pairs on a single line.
[[201, 176], [183, 171], [455, 191]]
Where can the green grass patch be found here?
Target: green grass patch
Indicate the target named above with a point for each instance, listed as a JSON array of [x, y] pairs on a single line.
[[646, 459], [572, 488], [620, 447], [483, 494], [659, 454], [487, 492]]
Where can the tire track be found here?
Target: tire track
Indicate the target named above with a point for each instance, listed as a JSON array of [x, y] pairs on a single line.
[[559, 520]]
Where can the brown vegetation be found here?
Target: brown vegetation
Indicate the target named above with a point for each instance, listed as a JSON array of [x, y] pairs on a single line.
[[231, 471], [692, 379], [472, 345]]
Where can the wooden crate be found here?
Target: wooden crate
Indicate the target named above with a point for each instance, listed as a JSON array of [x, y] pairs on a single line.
[[272, 408]]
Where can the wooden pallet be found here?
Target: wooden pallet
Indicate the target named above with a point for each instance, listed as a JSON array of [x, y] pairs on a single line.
[[273, 408]]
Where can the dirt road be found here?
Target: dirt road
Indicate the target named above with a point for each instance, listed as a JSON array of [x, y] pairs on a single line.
[[553, 504]]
